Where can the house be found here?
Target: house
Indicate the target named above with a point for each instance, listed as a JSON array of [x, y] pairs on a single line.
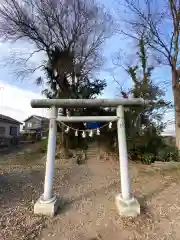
[[9, 130], [36, 123]]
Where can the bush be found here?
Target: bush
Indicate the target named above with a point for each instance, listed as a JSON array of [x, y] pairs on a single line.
[[151, 148], [25, 134], [147, 159], [166, 153], [28, 136], [43, 145], [169, 153]]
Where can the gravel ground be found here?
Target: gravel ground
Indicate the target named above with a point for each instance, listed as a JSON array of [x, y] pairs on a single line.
[[88, 210]]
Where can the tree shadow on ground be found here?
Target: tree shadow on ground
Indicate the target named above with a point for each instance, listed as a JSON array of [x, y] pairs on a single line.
[[65, 204], [11, 149], [20, 186], [143, 199]]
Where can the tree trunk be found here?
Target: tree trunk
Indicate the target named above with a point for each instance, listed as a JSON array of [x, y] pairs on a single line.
[[177, 117], [176, 93]]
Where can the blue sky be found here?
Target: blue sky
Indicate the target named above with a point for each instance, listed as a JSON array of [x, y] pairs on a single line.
[[15, 95]]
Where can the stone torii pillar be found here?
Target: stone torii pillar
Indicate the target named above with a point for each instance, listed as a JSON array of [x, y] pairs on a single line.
[[47, 204]]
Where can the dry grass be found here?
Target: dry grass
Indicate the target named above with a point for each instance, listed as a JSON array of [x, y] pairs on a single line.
[[88, 208]]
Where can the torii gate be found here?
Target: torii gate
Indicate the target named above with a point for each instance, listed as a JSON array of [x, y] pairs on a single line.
[[48, 204]]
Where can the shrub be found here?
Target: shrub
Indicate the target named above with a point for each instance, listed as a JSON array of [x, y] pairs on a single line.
[[169, 153], [166, 153], [147, 158], [24, 134], [43, 145]]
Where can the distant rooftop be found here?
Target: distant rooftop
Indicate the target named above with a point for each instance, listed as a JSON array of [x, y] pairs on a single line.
[[8, 119], [38, 117]]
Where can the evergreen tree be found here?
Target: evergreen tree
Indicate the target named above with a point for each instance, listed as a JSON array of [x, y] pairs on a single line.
[[144, 125]]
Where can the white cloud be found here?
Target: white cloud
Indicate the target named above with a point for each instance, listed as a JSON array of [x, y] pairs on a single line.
[[15, 102]]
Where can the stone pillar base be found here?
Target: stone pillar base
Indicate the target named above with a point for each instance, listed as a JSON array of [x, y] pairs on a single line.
[[48, 208], [127, 208]]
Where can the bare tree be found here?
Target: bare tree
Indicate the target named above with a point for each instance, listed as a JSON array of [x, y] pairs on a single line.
[[70, 33], [159, 24]]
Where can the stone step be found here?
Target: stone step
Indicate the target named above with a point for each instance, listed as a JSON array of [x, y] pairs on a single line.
[[94, 152], [91, 154], [92, 149], [89, 149]]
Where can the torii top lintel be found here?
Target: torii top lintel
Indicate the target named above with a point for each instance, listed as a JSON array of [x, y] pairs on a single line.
[[84, 103]]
